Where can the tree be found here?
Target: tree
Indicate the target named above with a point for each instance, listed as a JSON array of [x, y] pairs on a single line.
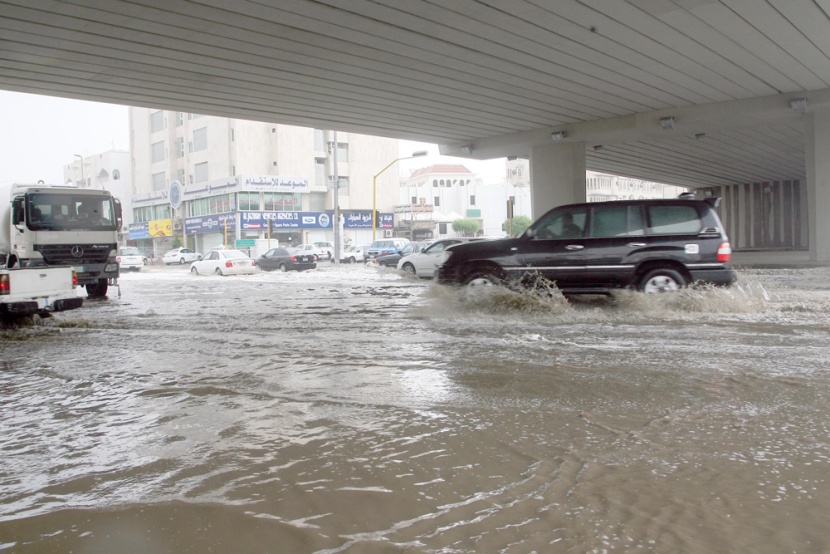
[[520, 225], [467, 227]]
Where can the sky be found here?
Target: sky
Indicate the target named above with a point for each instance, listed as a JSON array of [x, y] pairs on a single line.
[[41, 134]]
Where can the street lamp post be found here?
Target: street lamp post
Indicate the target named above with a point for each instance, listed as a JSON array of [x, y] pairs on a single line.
[[82, 169], [417, 154]]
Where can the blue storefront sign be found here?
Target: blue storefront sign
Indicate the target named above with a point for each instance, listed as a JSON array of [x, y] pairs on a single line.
[[139, 230], [252, 221], [210, 224]]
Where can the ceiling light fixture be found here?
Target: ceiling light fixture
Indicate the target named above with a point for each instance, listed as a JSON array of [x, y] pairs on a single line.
[[667, 123], [700, 136], [467, 149], [799, 105], [597, 147], [558, 136]]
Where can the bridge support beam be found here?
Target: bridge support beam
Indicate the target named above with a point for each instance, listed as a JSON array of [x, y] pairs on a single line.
[[557, 175], [817, 147]]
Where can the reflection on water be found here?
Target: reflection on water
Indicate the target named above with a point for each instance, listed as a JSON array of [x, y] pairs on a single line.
[[355, 410]]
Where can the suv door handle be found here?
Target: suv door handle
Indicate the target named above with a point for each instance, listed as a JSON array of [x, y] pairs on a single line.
[[636, 244], [574, 247]]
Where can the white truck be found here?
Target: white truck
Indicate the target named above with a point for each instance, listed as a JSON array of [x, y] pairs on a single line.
[[36, 290], [45, 226]]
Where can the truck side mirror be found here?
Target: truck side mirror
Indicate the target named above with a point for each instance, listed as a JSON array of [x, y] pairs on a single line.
[[117, 211], [18, 212]]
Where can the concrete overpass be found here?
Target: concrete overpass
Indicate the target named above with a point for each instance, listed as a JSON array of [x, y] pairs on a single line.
[[728, 96]]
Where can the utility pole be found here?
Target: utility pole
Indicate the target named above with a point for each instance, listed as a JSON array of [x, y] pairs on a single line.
[[336, 195]]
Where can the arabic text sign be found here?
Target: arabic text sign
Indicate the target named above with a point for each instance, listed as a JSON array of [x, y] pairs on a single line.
[[210, 224]]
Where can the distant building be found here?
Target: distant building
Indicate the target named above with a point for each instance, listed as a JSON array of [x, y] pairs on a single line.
[[433, 197], [245, 182], [110, 170]]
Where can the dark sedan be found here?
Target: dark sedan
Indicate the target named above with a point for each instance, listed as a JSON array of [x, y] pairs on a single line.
[[391, 260], [283, 260]]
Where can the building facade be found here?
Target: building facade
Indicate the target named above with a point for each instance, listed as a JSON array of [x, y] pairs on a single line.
[[205, 181], [110, 170]]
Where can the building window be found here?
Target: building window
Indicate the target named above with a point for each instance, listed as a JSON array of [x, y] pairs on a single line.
[[157, 151], [180, 147], [435, 182], [116, 175], [201, 171], [442, 228], [248, 200], [437, 201], [472, 200], [159, 180], [342, 152], [180, 175], [414, 200], [320, 172], [233, 170], [200, 139], [179, 119], [319, 140], [282, 202], [156, 121], [317, 201], [233, 135]]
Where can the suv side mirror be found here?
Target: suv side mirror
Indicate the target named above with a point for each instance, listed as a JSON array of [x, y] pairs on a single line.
[[530, 233]]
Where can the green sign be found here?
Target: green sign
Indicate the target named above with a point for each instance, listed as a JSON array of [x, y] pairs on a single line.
[[473, 213], [245, 243]]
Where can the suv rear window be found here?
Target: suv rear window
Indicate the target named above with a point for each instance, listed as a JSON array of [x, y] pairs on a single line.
[[673, 220]]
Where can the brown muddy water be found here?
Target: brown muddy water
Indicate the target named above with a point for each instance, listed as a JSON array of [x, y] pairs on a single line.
[[351, 410]]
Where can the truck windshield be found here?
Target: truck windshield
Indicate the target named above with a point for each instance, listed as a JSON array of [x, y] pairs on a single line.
[[64, 211]]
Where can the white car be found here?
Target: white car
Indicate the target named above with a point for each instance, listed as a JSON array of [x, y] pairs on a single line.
[[180, 256], [306, 249], [224, 262], [131, 258], [424, 263], [352, 254], [326, 249]]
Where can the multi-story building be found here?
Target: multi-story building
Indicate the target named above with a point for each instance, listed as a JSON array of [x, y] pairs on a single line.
[[208, 181], [108, 170]]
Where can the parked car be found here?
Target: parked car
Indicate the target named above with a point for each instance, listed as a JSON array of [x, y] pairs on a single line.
[[391, 260], [423, 263], [326, 249], [180, 256], [131, 258], [223, 262], [315, 251], [651, 245], [385, 246], [282, 259], [352, 254]]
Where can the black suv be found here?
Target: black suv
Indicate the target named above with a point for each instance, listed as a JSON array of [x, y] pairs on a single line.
[[650, 245]]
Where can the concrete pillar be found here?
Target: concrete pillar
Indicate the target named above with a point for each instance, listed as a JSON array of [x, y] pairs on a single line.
[[557, 176], [817, 158]]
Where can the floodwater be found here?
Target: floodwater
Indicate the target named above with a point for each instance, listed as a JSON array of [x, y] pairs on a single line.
[[363, 411]]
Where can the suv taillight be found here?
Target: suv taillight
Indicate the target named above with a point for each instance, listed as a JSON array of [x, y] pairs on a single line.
[[4, 284], [724, 252]]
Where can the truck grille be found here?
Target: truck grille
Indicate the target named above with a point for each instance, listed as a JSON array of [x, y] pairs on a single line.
[[62, 254]]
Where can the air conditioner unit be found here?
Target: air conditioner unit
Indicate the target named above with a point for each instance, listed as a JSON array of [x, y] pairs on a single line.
[[177, 225], [387, 233]]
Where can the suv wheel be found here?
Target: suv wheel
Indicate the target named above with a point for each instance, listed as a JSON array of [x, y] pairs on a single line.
[[483, 277], [409, 268], [661, 280]]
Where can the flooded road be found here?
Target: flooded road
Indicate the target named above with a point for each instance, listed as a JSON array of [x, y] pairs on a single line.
[[363, 411]]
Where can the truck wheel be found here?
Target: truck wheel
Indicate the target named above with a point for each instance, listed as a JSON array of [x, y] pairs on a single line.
[[661, 280], [97, 290]]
